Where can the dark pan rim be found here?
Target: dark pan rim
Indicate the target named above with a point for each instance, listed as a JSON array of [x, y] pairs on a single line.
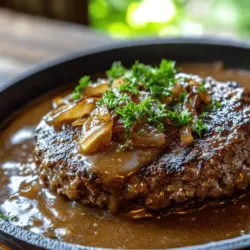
[[234, 43], [18, 233]]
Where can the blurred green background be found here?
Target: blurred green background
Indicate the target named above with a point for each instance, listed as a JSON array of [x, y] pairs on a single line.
[[133, 18]]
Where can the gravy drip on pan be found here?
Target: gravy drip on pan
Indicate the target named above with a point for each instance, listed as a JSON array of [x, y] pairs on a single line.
[[32, 206]]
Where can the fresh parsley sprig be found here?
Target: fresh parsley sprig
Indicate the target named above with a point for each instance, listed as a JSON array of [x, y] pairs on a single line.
[[129, 85], [8, 218], [182, 118], [149, 109], [201, 88], [212, 106], [117, 70], [112, 98], [157, 82], [199, 127], [83, 83]]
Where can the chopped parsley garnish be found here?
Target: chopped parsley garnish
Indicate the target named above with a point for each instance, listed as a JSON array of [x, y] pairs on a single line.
[[116, 71], [200, 127], [183, 96], [129, 85], [217, 104], [128, 114], [203, 115], [6, 218], [83, 83], [141, 132], [112, 99], [181, 119], [158, 80], [160, 126], [201, 88], [213, 105], [144, 93], [151, 110]]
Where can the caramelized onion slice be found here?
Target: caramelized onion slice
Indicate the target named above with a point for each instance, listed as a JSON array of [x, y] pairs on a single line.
[[157, 140], [78, 122], [205, 97], [118, 126], [177, 89], [72, 111], [59, 101], [151, 137], [186, 135], [96, 89], [96, 131]]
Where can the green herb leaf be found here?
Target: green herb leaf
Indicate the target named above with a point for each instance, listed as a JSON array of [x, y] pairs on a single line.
[[159, 81], [141, 132], [130, 86], [112, 99], [217, 104], [203, 115], [6, 218], [212, 106], [128, 114], [183, 96], [200, 127], [83, 83], [156, 113], [117, 70], [160, 126], [181, 119], [201, 88], [151, 110]]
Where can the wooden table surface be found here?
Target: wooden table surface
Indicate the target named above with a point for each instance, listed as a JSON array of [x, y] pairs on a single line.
[[27, 40]]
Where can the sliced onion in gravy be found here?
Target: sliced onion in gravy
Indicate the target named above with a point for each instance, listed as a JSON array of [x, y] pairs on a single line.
[[72, 111], [96, 131]]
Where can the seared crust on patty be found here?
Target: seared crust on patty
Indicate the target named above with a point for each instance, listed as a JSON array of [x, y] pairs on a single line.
[[214, 166]]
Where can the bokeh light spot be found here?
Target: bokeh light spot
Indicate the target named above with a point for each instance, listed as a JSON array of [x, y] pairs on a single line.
[[98, 9], [151, 11], [226, 13]]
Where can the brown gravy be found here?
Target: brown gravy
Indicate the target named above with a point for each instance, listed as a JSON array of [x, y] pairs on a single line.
[[111, 165], [42, 212]]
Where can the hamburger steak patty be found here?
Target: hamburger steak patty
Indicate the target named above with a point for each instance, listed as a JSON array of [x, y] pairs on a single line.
[[214, 166]]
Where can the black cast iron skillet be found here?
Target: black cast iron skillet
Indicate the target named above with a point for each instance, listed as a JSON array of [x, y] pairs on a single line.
[[18, 92]]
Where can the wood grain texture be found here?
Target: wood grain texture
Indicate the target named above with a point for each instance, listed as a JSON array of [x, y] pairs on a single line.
[[27, 40]]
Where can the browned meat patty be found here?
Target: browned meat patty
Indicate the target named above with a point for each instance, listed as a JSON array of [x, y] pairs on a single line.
[[214, 166]]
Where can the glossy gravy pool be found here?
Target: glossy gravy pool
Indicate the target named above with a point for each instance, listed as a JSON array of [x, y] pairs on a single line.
[[32, 206]]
